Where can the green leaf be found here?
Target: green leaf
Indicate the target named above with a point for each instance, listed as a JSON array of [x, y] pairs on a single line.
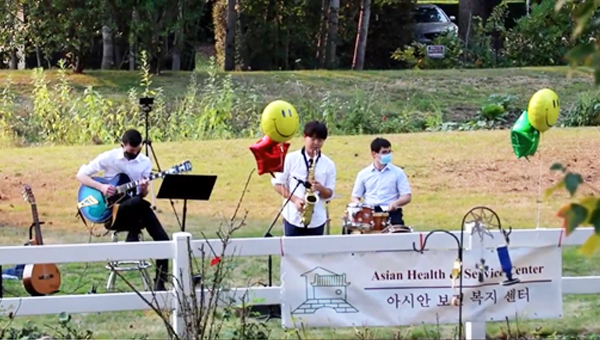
[[559, 4], [590, 246], [572, 182], [573, 215], [595, 219], [557, 167], [580, 52], [555, 187], [582, 14]]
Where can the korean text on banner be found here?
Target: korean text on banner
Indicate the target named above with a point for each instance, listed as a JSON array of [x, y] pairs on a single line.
[[410, 288]]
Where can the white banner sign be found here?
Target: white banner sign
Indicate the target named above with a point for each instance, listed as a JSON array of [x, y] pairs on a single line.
[[410, 288]]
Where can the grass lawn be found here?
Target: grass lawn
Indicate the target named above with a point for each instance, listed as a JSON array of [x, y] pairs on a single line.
[[449, 173]]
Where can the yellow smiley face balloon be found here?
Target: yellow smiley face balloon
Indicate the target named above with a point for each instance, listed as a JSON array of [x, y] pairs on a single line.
[[543, 109], [279, 121]]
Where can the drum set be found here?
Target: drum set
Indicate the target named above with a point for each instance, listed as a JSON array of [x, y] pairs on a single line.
[[361, 218]]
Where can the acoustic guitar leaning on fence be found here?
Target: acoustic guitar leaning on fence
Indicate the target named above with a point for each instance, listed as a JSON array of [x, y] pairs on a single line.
[[43, 278]]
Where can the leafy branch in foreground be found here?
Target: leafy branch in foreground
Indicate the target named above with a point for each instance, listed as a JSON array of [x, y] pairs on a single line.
[[210, 310], [585, 15], [583, 212]]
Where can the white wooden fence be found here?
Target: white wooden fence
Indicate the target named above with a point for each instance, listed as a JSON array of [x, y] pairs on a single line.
[[177, 249]]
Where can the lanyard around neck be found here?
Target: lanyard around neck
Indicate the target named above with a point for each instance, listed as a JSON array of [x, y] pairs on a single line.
[[307, 161]]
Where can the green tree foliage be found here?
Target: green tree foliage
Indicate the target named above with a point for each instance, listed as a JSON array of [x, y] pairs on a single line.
[[527, 44], [68, 25], [283, 34], [586, 210]]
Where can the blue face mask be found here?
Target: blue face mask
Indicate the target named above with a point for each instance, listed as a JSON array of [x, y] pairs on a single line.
[[385, 159]]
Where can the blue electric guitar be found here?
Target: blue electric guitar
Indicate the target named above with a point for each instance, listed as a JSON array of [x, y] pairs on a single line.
[[98, 208]]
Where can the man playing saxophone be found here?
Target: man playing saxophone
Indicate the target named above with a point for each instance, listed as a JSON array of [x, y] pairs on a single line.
[[304, 214]]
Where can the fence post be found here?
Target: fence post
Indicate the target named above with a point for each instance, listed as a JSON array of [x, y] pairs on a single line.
[[474, 330], [182, 283]]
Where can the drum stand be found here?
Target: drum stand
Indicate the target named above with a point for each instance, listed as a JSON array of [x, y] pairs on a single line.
[[146, 105], [328, 224]]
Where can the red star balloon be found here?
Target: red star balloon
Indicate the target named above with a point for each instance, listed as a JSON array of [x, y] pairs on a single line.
[[269, 155]]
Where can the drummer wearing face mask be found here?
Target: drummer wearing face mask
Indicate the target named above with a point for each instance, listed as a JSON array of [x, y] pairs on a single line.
[[383, 184]]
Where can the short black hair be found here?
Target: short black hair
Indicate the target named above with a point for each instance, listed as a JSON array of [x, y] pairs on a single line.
[[315, 129], [132, 137], [380, 143]]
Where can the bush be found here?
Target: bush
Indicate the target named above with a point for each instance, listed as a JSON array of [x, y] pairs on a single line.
[[214, 108], [543, 37], [584, 112], [64, 330]]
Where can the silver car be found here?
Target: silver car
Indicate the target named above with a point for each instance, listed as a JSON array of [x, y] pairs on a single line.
[[430, 21]]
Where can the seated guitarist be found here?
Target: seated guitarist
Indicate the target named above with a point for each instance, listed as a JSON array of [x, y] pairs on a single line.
[[135, 213]]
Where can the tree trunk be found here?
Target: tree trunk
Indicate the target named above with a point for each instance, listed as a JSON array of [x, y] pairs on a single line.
[[358, 61], [38, 55], [133, 42], [467, 10], [175, 60], [107, 48], [132, 57], [13, 59], [332, 34], [178, 43], [79, 63], [230, 36], [322, 43], [242, 43], [118, 52]]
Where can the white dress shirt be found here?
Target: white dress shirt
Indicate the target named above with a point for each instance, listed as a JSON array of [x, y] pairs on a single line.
[[381, 187], [295, 166], [113, 162]]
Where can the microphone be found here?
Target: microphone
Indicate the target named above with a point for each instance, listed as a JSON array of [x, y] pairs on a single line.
[[306, 184]]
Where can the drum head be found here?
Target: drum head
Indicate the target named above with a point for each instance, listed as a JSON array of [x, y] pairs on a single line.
[[394, 229]]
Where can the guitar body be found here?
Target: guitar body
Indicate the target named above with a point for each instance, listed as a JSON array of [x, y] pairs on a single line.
[[100, 210], [41, 279]]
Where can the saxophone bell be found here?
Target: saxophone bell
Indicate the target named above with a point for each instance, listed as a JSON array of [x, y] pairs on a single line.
[[312, 199]]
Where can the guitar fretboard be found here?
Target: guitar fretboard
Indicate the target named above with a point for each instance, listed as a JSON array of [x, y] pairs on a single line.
[[185, 166], [36, 222], [128, 186]]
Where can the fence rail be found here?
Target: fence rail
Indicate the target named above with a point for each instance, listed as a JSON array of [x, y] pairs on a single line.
[[178, 250]]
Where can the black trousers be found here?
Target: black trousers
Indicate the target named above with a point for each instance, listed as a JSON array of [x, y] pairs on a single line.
[[135, 214], [292, 230]]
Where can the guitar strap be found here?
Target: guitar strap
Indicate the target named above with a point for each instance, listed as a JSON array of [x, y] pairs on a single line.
[[115, 210]]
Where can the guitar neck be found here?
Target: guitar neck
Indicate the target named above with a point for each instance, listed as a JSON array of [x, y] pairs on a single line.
[[36, 223], [128, 186]]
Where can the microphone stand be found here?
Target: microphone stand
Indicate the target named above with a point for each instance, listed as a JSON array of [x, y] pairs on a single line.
[[270, 313]]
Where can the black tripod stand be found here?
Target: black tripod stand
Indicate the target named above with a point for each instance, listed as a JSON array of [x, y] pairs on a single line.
[[146, 105]]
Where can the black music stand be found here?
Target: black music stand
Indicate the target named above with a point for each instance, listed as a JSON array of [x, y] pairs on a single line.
[[187, 187]]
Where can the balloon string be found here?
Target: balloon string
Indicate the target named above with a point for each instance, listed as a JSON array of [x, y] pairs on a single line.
[[539, 194]]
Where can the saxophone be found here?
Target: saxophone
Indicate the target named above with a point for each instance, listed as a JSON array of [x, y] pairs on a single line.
[[310, 198]]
